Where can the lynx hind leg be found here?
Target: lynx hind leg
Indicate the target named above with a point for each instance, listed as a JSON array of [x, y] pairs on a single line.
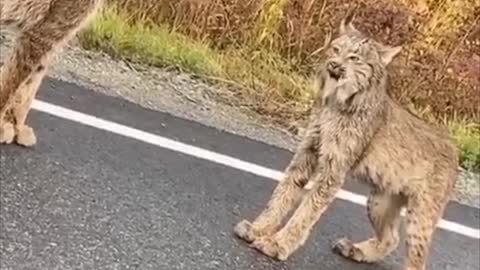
[[421, 221], [287, 193], [384, 214]]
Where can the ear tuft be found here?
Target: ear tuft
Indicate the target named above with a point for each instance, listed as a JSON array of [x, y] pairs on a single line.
[[346, 25]]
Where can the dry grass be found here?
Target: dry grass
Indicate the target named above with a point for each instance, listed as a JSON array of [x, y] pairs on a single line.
[[262, 50], [438, 68]]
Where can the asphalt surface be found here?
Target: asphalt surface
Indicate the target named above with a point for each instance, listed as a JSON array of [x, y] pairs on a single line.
[[88, 199]]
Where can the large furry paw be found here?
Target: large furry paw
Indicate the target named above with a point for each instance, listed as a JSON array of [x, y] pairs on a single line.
[[7, 133], [347, 249], [26, 136], [245, 231], [271, 247]]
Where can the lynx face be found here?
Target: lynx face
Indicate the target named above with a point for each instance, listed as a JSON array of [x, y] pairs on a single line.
[[354, 63], [351, 60]]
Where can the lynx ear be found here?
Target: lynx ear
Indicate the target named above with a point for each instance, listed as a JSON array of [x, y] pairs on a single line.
[[387, 53], [346, 26]]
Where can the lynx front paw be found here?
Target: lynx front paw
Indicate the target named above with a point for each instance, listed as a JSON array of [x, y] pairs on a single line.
[[26, 136], [271, 247], [7, 133], [347, 249], [245, 231]]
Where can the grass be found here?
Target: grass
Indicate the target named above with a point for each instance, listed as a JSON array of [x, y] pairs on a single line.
[[113, 32], [261, 79], [258, 77], [467, 137]]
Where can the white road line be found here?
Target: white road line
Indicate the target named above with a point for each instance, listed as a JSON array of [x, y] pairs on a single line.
[[176, 146]]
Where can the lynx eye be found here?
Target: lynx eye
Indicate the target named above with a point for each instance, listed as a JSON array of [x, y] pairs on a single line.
[[354, 58], [335, 49]]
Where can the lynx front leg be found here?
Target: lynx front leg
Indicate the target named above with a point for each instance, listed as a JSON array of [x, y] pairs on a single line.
[[7, 133], [384, 214], [25, 134], [296, 231], [339, 155], [38, 40], [21, 64], [285, 195]]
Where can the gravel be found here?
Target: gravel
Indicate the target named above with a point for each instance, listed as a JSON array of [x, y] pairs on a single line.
[[184, 96]]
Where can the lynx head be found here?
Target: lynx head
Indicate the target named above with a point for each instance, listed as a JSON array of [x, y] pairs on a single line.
[[354, 63]]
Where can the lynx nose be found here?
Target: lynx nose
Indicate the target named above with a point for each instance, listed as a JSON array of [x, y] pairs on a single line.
[[335, 69]]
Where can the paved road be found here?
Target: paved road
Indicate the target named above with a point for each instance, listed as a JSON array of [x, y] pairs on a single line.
[[84, 198]]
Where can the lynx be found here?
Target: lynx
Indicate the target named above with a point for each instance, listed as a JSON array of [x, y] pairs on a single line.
[[43, 27], [356, 130]]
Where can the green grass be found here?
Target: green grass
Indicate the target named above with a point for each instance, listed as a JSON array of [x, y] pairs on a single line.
[[111, 31], [263, 80], [467, 137]]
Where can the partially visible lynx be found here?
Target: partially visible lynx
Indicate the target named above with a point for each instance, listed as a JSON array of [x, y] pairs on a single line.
[[357, 130], [44, 26]]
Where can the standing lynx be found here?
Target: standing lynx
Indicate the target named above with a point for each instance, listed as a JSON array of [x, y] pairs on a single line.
[[43, 27], [357, 130]]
